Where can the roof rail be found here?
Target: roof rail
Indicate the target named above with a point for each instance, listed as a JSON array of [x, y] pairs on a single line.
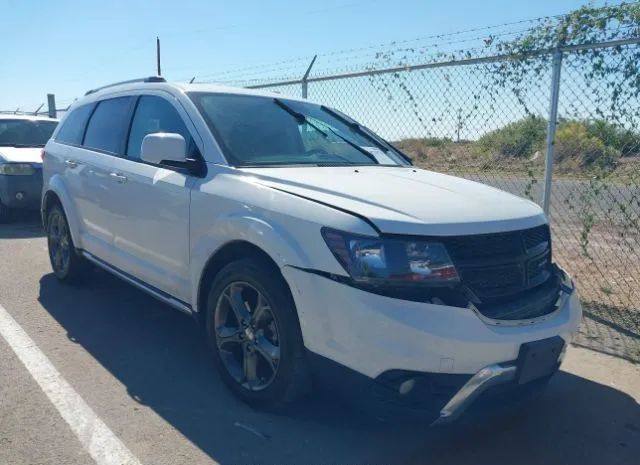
[[130, 81]]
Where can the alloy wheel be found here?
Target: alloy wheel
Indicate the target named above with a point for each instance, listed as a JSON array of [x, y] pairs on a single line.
[[247, 336], [59, 244]]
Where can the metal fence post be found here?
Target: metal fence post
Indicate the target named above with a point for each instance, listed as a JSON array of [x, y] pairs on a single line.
[[51, 104], [304, 81], [551, 128]]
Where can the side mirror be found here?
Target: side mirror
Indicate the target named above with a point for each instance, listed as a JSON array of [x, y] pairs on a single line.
[[163, 146]]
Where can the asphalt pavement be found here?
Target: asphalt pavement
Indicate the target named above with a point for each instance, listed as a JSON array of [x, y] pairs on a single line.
[[88, 369]]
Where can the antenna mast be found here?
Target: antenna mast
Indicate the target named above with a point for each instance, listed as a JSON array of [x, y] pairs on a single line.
[[158, 55]]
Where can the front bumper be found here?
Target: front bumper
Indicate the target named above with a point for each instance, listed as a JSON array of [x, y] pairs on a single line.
[[479, 383], [373, 335], [21, 191]]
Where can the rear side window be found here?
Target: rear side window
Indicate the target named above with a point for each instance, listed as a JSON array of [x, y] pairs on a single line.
[[73, 126], [108, 124], [154, 114]]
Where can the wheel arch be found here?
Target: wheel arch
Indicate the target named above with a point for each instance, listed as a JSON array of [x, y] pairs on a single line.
[[56, 193], [228, 253], [49, 199]]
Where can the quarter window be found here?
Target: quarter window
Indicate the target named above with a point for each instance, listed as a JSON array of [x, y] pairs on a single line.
[[154, 114], [73, 126], [107, 126]]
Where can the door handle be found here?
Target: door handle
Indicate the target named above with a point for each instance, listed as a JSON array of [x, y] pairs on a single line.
[[119, 178], [71, 163]]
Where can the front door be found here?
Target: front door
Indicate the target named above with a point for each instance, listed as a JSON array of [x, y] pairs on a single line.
[[152, 202]]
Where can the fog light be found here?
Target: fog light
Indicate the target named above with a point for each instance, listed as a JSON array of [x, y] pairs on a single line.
[[406, 387], [19, 196]]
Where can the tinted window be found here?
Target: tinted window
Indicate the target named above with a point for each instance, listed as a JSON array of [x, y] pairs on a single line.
[[154, 114], [25, 132], [107, 126], [251, 130], [261, 131], [73, 126]]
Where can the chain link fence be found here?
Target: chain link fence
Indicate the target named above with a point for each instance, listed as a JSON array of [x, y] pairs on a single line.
[[487, 119], [546, 109]]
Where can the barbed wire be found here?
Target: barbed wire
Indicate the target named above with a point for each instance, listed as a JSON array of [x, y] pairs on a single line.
[[306, 58], [286, 68]]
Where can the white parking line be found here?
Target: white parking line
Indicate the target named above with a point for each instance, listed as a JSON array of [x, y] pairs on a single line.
[[96, 437]]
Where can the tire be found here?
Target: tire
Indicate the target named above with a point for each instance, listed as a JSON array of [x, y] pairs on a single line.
[[261, 357], [5, 213], [66, 262]]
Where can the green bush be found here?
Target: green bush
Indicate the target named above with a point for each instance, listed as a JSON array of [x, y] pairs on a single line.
[[627, 142], [583, 143], [518, 139], [577, 144]]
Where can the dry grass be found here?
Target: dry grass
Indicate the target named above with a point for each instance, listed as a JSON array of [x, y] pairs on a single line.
[[468, 157]]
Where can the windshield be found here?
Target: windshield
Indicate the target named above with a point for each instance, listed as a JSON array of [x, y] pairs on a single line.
[[265, 131], [25, 132]]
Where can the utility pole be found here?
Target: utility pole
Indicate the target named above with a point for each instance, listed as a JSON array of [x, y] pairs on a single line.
[[158, 55]]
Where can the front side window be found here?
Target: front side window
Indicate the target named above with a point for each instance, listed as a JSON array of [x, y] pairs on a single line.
[[264, 131], [154, 114], [108, 124], [73, 125], [25, 132]]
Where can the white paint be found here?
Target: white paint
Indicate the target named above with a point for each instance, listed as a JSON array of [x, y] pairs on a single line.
[[94, 435], [21, 155], [406, 200]]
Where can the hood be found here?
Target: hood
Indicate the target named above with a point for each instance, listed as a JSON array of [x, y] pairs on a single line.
[[401, 200], [21, 154]]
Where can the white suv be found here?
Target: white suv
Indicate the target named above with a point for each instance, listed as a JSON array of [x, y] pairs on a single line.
[[308, 247]]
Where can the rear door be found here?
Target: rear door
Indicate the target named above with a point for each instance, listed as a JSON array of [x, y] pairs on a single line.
[[151, 202], [64, 158], [102, 144]]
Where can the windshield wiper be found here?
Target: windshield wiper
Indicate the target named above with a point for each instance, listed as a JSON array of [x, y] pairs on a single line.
[[376, 140], [355, 146], [301, 119], [356, 127]]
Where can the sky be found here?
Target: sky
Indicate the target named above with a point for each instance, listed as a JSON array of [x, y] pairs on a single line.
[[67, 47]]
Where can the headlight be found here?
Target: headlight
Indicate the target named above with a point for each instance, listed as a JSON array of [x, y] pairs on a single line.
[[376, 260], [16, 169]]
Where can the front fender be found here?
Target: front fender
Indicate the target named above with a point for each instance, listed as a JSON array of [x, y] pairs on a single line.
[[275, 241], [282, 244], [57, 186]]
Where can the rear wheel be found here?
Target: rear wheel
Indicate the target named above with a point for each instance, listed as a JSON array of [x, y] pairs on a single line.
[[255, 335], [67, 264]]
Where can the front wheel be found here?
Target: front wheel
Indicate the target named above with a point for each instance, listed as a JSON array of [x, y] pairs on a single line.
[[67, 264], [254, 332]]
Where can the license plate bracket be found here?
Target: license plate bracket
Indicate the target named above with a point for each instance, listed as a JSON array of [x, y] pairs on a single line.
[[538, 359]]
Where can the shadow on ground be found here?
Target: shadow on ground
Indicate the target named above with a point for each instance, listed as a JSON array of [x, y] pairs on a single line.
[[160, 357], [611, 330], [22, 225]]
